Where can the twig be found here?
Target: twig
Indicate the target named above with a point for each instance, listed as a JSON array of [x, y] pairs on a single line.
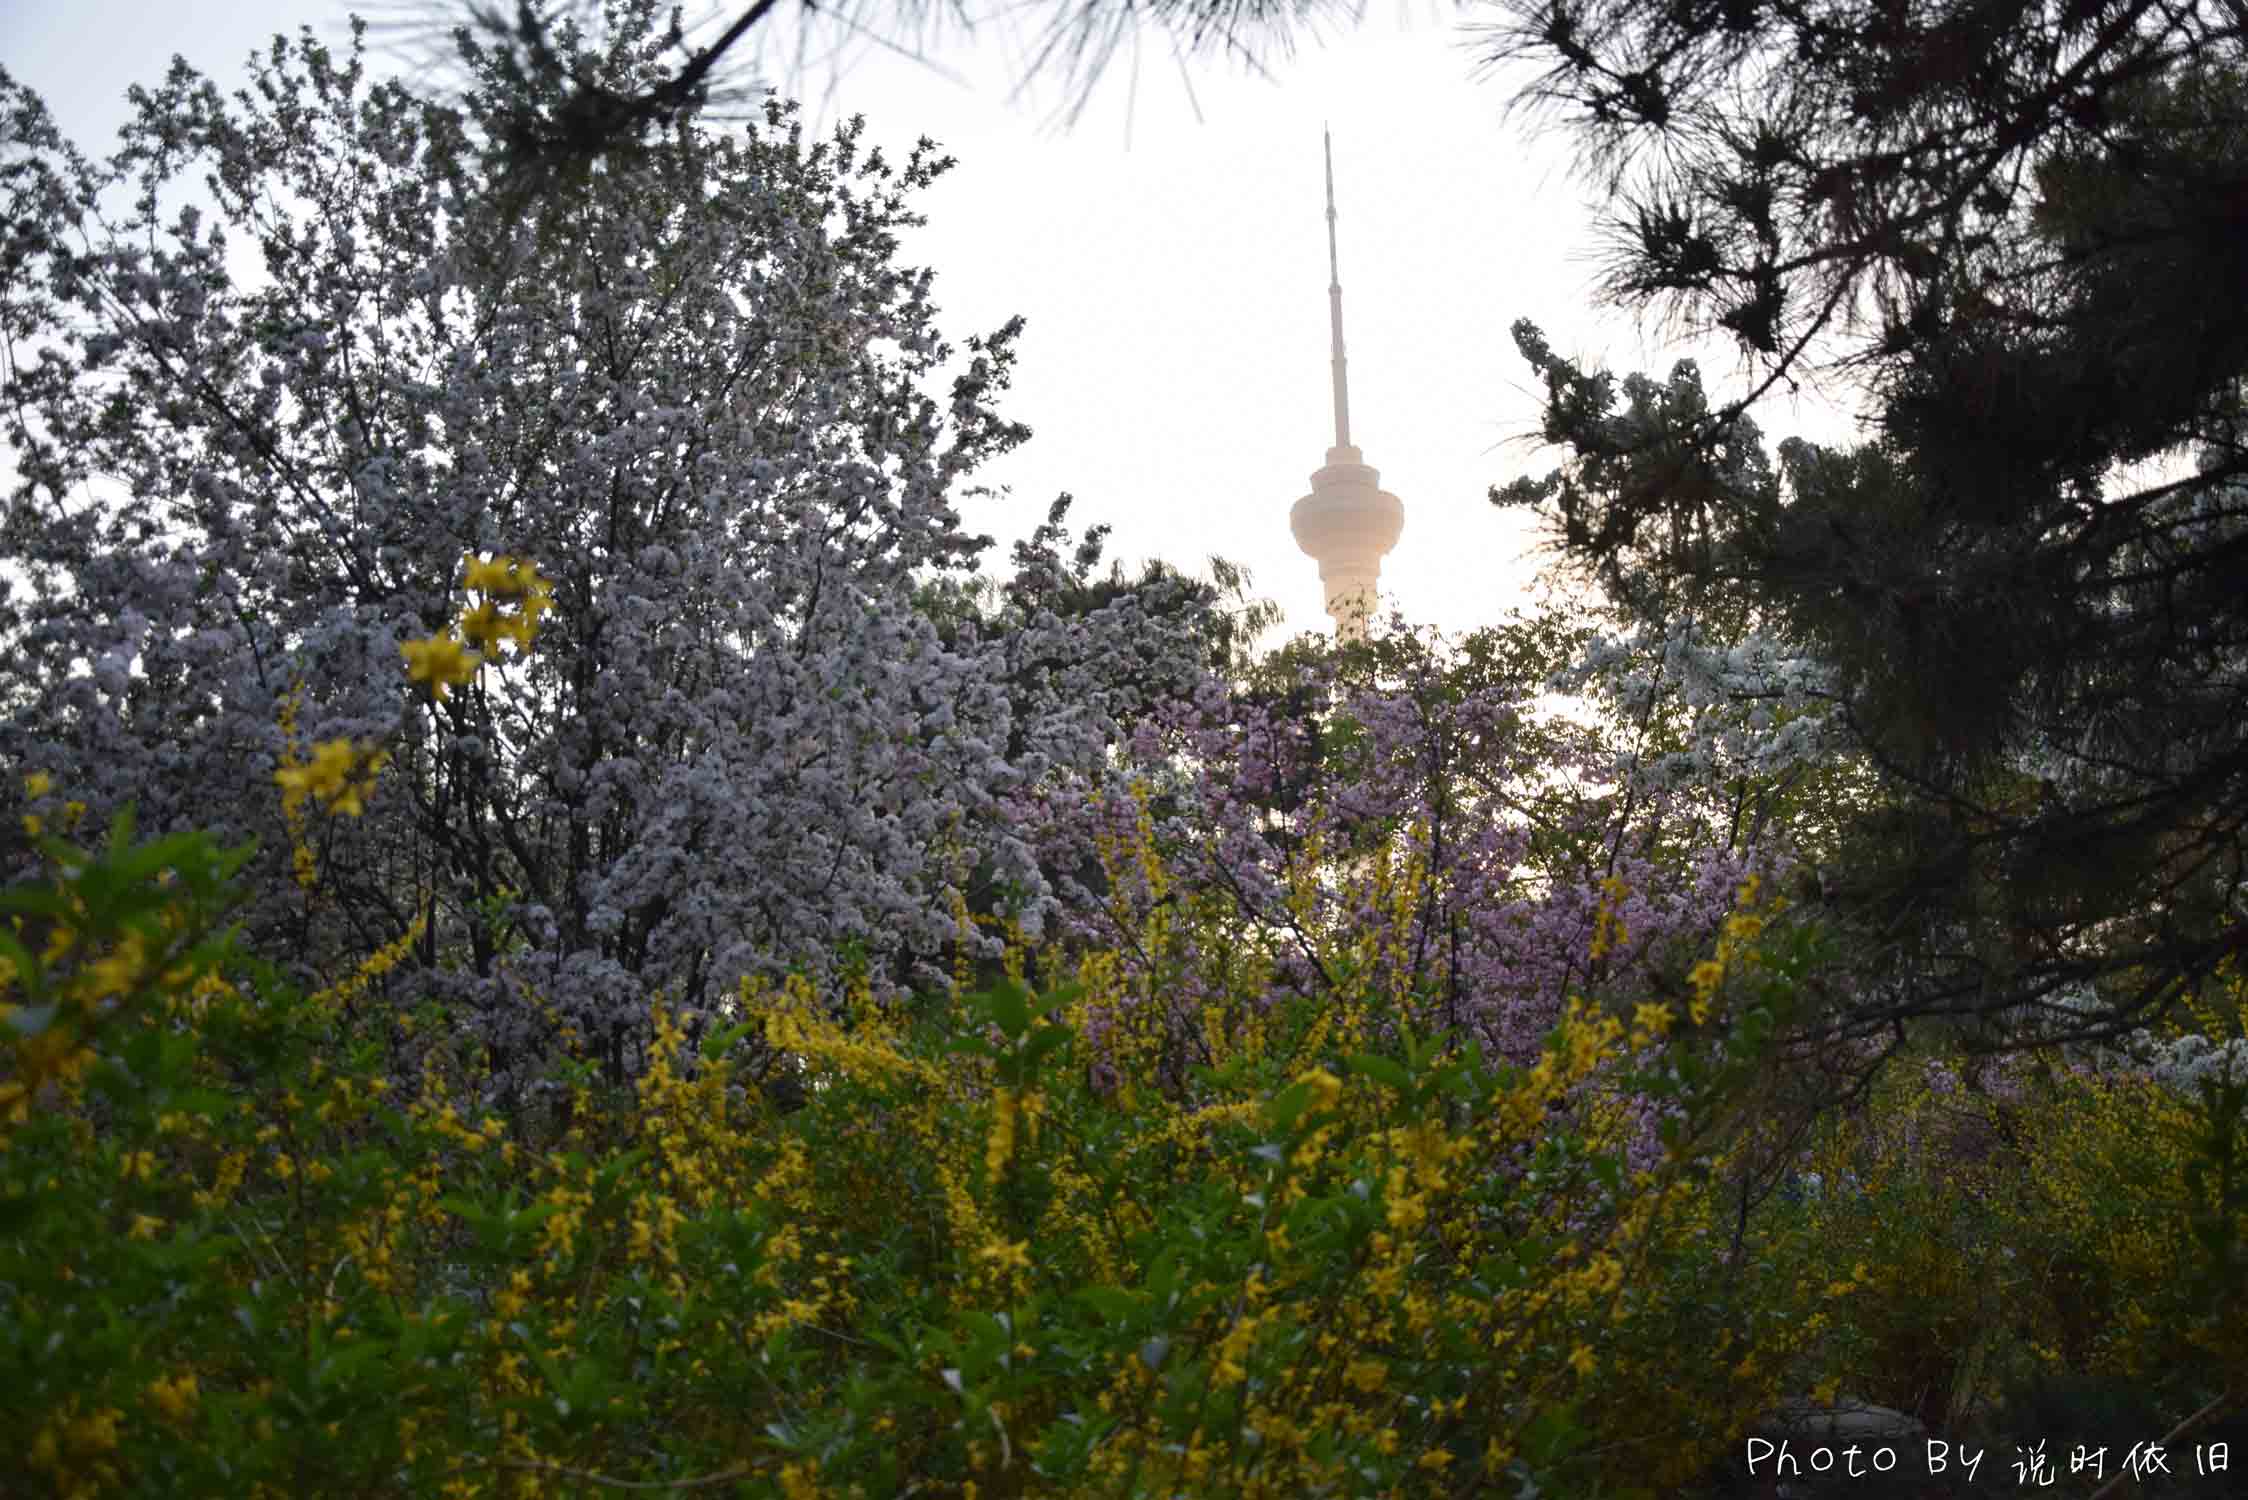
[[703, 1481], [2169, 1437]]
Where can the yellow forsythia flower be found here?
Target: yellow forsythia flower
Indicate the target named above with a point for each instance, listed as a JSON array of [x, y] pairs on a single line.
[[489, 577], [1001, 1143], [175, 1398], [486, 626], [340, 774], [440, 662], [1008, 1256], [510, 579]]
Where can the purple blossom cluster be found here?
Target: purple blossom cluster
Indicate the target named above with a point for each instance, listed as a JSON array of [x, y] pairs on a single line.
[[1521, 868]]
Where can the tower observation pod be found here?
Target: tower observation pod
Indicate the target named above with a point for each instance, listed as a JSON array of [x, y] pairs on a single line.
[[1348, 522]]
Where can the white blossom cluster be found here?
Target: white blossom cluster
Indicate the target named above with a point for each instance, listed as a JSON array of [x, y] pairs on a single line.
[[1753, 707], [2184, 1063], [691, 390]]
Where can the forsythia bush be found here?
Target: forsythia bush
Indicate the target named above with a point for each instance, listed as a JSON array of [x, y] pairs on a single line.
[[240, 1264], [2020, 1219]]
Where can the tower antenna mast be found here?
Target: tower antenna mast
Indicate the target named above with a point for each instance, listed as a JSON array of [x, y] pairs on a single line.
[[1335, 305]]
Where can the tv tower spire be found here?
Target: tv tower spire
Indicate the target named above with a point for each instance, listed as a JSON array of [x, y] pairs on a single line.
[[1348, 523], [1335, 306]]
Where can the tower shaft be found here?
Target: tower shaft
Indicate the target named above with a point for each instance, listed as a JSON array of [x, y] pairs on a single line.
[[1340, 364]]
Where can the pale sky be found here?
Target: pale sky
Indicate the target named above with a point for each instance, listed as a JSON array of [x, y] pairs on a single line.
[[1168, 251]]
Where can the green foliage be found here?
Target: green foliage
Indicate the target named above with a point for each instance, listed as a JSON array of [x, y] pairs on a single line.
[[2014, 1230], [238, 1263]]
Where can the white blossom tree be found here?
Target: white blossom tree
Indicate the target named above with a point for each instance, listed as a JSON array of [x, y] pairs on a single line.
[[690, 389]]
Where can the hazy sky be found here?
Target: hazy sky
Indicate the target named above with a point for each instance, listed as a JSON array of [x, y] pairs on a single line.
[[1168, 251]]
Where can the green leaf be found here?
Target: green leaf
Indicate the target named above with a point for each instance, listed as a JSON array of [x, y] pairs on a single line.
[[715, 1045], [889, 1342], [208, 1103], [1383, 1070], [1163, 1273], [345, 1360], [1010, 1007], [36, 900], [615, 1170], [1112, 1303], [1289, 1104], [1043, 1042], [32, 976]]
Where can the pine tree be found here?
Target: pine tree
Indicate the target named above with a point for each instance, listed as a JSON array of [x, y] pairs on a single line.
[[2020, 231]]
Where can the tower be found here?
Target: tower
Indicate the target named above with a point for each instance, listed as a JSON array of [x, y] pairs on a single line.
[[1348, 523]]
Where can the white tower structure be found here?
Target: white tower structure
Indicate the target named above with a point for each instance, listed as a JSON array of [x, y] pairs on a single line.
[[1348, 522]]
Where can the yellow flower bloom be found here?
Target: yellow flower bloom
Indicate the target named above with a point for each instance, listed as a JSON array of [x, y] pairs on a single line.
[[1008, 1256], [488, 577], [38, 784], [1706, 978], [145, 1227], [1325, 1086], [487, 626], [1001, 1143], [175, 1398], [340, 774], [440, 663], [510, 1303]]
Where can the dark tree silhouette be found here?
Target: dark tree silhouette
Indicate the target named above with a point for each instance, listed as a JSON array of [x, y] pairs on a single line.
[[2020, 230], [568, 120]]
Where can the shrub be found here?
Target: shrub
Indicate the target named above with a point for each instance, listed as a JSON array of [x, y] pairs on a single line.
[[241, 1263], [2026, 1222]]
